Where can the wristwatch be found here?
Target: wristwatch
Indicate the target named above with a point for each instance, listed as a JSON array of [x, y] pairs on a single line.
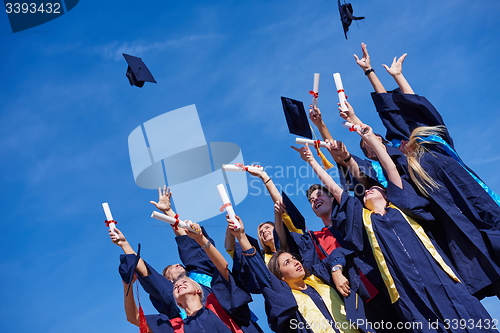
[[336, 268]]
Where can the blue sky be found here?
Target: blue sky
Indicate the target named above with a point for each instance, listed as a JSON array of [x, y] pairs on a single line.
[[67, 110]]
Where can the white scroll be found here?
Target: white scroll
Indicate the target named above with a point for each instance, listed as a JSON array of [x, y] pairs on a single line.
[[109, 217], [234, 167], [301, 141], [340, 91], [170, 220], [227, 205]]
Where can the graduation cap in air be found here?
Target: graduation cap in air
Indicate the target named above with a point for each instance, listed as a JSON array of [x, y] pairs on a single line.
[[128, 263], [137, 71], [296, 117], [346, 16]]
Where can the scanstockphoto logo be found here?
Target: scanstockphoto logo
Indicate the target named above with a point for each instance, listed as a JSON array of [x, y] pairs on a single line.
[[171, 149], [29, 14]]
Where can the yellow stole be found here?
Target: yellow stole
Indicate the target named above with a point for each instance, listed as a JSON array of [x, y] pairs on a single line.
[[289, 224], [379, 256], [313, 316]]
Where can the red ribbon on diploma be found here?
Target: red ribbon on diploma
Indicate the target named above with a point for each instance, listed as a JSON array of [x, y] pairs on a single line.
[[241, 166], [342, 90], [224, 206], [110, 221], [351, 129], [176, 223], [315, 94]]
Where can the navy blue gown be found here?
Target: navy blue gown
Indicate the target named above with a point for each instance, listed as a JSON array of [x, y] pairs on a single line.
[[469, 228], [428, 297]]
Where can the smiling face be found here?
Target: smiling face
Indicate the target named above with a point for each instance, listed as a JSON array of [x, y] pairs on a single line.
[[375, 195], [321, 203], [185, 286], [173, 272], [266, 235], [290, 268]]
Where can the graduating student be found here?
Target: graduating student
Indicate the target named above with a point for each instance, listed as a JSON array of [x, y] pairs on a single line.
[[226, 309], [467, 208], [422, 284], [268, 237], [295, 300]]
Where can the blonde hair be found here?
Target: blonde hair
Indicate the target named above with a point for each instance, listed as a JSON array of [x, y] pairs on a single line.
[[415, 149], [196, 285]]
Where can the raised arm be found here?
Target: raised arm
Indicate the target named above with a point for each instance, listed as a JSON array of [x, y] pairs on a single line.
[[339, 150], [317, 119], [365, 65], [382, 155], [396, 71], [279, 210], [324, 177], [119, 239], [131, 311], [268, 182], [214, 254], [164, 205]]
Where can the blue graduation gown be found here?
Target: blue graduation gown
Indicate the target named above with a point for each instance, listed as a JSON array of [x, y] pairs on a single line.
[[469, 228], [427, 293]]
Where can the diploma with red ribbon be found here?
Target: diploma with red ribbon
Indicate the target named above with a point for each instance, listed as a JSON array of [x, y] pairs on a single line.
[[340, 91], [315, 91], [226, 204], [110, 223], [352, 127], [240, 167], [312, 143], [174, 221]]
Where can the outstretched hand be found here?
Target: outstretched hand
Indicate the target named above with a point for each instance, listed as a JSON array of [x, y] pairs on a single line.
[[256, 173], [117, 237], [348, 115], [364, 62], [305, 153], [230, 227], [396, 66], [279, 207], [197, 236], [164, 195], [315, 115], [337, 149]]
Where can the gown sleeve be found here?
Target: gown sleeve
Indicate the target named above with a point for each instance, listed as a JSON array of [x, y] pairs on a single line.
[[389, 113], [193, 256], [418, 111]]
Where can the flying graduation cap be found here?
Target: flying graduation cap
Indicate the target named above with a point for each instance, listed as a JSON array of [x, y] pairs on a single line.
[[137, 71], [296, 117], [346, 16]]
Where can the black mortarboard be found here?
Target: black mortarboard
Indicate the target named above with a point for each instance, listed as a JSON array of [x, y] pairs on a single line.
[[298, 220], [137, 71], [346, 16], [128, 264], [296, 117]]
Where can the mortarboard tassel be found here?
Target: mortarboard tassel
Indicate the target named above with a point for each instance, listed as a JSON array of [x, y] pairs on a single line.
[[326, 163], [143, 325]]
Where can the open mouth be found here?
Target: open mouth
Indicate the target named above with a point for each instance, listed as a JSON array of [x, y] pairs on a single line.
[[318, 204]]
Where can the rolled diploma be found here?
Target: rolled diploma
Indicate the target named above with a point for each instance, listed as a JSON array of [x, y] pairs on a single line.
[[351, 125], [170, 220], [338, 84], [301, 141], [315, 89], [109, 217], [229, 209], [232, 167]]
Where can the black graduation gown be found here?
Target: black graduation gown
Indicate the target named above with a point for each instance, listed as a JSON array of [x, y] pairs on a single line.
[[429, 298]]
